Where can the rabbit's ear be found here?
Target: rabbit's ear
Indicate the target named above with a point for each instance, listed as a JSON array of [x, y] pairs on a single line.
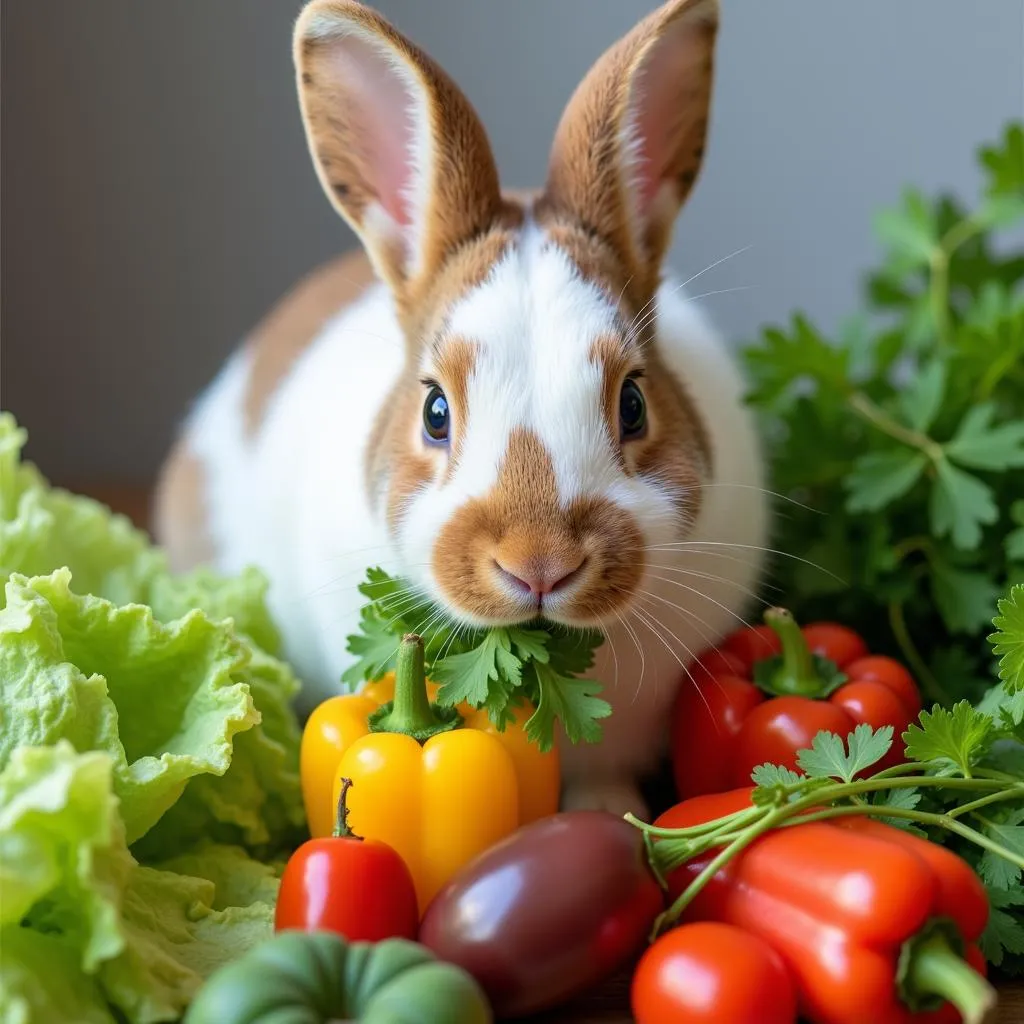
[[631, 140], [398, 148]]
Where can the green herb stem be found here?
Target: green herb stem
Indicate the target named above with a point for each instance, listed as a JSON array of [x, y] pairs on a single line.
[[926, 680], [868, 410]]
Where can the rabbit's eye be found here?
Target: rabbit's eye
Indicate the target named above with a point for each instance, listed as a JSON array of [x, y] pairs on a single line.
[[632, 411], [435, 415]]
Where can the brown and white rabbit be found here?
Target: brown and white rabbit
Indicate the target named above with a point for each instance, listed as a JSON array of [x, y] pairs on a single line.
[[509, 404]]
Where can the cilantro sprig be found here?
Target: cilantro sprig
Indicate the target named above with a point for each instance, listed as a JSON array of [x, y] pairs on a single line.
[[907, 429], [962, 784], [496, 669]]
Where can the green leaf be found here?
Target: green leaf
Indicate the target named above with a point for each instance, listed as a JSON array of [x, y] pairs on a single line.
[[879, 478], [1008, 640], [966, 599], [828, 759], [468, 676], [1000, 211], [572, 701], [771, 775], [997, 871], [1004, 162], [910, 233], [957, 737], [900, 799], [921, 400], [1004, 932], [960, 505], [1014, 542], [979, 445]]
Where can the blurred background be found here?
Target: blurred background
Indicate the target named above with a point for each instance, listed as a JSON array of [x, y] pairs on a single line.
[[157, 196]]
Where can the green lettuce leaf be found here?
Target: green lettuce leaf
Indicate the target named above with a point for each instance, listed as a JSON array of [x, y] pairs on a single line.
[[160, 700], [140, 938]]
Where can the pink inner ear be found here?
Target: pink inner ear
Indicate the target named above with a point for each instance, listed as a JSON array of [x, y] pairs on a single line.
[[381, 113], [660, 102]]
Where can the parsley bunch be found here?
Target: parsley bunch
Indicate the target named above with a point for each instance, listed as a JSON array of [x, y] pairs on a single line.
[[962, 785], [496, 669], [902, 439]]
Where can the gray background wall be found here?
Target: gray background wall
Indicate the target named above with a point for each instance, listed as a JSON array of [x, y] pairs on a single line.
[[157, 194]]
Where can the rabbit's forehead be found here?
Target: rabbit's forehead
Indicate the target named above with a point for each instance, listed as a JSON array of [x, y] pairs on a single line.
[[538, 329]]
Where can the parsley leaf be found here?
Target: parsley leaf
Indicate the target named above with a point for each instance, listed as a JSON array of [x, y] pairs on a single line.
[[981, 446], [1005, 162], [921, 400], [966, 599], [1015, 538], [879, 478], [1008, 640], [961, 504], [468, 676], [828, 759], [492, 669], [997, 871], [572, 701], [769, 775], [1004, 932], [901, 799], [958, 738], [910, 233]]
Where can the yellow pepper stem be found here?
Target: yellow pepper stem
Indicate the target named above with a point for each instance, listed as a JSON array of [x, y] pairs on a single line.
[[411, 712]]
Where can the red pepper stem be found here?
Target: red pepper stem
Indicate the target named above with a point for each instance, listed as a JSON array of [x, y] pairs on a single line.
[[411, 712], [935, 969], [797, 674], [342, 829]]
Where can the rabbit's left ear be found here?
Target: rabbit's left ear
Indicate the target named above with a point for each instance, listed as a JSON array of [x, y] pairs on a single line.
[[630, 143], [398, 148]]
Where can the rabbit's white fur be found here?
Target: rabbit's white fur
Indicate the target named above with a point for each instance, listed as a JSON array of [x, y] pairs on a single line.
[[292, 496]]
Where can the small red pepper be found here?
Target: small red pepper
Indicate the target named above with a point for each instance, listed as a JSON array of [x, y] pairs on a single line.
[[765, 692], [875, 924], [358, 888]]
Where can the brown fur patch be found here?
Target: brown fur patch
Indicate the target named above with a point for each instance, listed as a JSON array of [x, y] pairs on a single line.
[[179, 511], [520, 523], [397, 462], [676, 447], [586, 177], [288, 330]]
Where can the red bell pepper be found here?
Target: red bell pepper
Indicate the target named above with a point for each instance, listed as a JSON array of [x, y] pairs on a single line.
[[766, 691], [876, 925]]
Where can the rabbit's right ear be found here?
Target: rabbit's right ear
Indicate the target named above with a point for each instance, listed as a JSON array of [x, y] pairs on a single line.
[[397, 147]]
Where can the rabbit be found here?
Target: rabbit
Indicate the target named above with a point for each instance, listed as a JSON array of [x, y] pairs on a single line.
[[503, 397]]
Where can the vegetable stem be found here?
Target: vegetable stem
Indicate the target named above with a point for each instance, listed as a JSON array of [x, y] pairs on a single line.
[[929, 684], [342, 829], [411, 712], [933, 968], [797, 673], [867, 409]]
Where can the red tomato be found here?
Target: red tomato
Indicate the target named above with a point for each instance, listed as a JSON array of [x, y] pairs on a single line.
[[776, 729], [752, 644], [359, 888], [835, 642], [711, 973], [877, 668]]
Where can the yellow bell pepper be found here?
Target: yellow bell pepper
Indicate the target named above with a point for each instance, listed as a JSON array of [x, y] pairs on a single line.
[[439, 785]]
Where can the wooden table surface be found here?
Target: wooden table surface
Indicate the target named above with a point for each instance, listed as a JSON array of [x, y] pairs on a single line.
[[608, 1004]]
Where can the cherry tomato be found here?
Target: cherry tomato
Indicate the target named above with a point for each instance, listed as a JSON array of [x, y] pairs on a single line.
[[835, 642], [704, 718], [359, 888], [711, 973], [752, 644], [776, 728], [877, 668]]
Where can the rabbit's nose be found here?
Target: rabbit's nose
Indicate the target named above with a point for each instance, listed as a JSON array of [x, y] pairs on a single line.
[[541, 574]]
